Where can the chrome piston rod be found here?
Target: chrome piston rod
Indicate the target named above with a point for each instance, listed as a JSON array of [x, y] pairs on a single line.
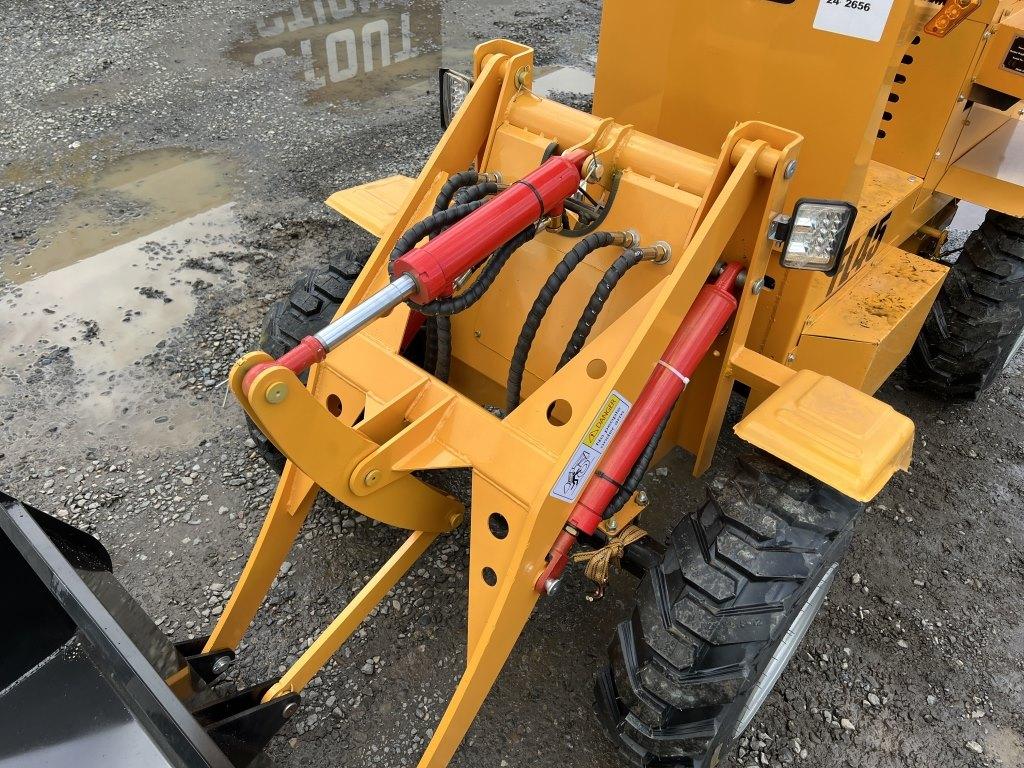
[[357, 318]]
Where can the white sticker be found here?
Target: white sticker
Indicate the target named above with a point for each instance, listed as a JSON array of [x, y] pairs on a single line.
[[584, 461], [865, 19]]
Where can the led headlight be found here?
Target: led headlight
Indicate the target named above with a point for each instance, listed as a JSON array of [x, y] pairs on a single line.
[[815, 236], [454, 87]]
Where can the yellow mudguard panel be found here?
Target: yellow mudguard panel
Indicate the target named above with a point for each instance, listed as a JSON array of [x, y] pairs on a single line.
[[991, 174], [373, 206], [831, 431]]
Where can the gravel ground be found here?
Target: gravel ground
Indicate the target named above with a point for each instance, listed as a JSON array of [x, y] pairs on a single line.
[[113, 416]]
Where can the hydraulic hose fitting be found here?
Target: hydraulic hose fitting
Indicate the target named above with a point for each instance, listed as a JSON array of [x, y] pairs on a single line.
[[628, 238], [550, 224], [659, 253], [489, 176]]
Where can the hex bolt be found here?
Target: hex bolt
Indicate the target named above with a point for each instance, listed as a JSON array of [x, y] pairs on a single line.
[[276, 392], [551, 586], [791, 167], [371, 477], [664, 252], [221, 664], [521, 76], [757, 287], [791, 357], [613, 524], [289, 709], [641, 499]]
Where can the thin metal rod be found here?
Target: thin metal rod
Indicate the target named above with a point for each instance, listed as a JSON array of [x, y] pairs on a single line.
[[378, 305], [324, 647]]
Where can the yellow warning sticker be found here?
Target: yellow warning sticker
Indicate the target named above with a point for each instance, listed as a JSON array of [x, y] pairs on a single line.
[[584, 460]]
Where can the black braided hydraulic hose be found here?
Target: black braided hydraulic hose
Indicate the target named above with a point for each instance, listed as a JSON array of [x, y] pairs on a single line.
[[439, 313], [430, 345], [431, 226], [636, 475], [589, 227], [612, 275], [629, 259], [453, 185], [441, 325], [439, 329], [443, 359], [561, 272], [476, 192], [585, 214]]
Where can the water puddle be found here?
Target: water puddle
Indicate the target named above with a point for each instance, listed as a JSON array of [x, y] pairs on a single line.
[[131, 198], [349, 51], [550, 80], [107, 312]]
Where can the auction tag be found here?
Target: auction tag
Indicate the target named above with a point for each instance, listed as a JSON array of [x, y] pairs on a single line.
[[865, 19], [584, 461]]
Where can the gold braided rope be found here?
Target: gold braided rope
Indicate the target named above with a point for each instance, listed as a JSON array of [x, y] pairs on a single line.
[[599, 561]]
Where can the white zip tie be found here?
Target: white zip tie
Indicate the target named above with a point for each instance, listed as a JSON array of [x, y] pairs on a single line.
[[677, 374]]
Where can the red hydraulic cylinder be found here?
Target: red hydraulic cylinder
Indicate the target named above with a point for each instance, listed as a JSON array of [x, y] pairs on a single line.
[[439, 262], [434, 266], [711, 310]]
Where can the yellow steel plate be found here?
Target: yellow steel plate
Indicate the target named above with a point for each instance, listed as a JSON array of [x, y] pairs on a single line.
[[831, 431], [373, 206], [991, 174]]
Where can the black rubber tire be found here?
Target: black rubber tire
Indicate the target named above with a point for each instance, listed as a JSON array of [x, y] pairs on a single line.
[[311, 304], [708, 619], [977, 322]]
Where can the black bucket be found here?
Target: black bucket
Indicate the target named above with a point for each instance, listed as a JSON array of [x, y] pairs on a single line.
[[86, 677]]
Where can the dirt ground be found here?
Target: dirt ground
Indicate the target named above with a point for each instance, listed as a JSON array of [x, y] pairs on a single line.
[[162, 168]]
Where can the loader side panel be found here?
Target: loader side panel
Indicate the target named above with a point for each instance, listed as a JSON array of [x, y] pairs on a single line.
[[707, 66]]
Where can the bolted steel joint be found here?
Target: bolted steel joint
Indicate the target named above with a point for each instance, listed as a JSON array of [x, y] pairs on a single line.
[[276, 392], [778, 229]]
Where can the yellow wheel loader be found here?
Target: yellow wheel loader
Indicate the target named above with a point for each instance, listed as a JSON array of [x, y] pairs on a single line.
[[756, 206]]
